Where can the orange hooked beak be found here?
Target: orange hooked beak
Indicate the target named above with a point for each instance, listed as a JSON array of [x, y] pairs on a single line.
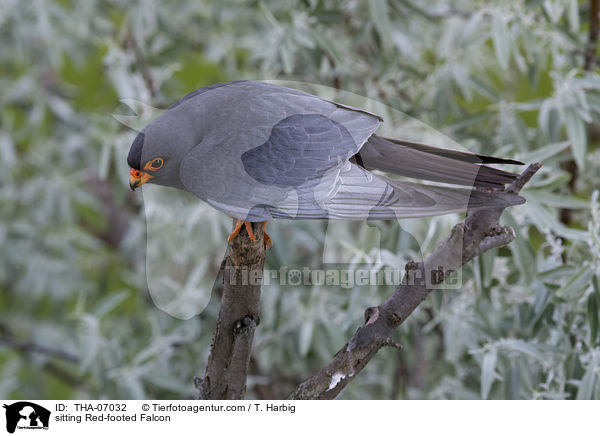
[[137, 178]]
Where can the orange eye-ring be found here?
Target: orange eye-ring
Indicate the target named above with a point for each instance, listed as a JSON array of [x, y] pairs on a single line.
[[154, 164]]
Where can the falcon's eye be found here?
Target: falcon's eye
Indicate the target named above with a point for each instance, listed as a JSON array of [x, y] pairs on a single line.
[[156, 164]]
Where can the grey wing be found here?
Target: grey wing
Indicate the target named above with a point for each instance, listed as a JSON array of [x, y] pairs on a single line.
[[363, 195], [295, 169], [299, 152], [304, 153]]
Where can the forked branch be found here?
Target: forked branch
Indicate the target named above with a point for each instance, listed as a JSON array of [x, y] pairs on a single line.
[[477, 233]]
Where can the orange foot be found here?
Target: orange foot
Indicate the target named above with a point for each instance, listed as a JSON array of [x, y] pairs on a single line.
[[248, 225], [268, 240]]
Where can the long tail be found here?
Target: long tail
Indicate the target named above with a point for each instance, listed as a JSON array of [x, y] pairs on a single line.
[[422, 161], [362, 195]]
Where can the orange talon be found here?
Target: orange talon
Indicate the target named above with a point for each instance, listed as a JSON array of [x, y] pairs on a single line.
[[236, 230], [248, 225], [267, 238]]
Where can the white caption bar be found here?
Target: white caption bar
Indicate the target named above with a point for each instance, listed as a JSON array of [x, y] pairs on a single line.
[[272, 417]]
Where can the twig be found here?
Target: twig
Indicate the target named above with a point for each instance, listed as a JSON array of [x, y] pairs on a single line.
[[118, 218], [141, 61], [230, 350], [477, 233], [67, 376], [32, 347], [27, 347]]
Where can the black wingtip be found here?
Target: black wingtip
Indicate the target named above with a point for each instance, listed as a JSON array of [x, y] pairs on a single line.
[[453, 154], [497, 160]]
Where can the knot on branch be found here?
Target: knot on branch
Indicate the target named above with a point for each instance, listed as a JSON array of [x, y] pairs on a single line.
[[246, 324], [371, 315], [390, 343], [395, 319], [497, 237]]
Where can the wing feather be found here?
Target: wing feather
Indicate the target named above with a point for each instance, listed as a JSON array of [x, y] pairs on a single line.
[[362, 195]]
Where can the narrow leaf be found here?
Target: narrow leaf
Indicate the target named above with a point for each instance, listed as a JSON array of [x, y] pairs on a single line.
[[592, 314], [577, 135], [380, 18], [305, 339], [545, 152], [556, 200], [531, 350], [109, 302], [575, 287], [544, 220], [573, 15], [500, 37], [586, 386], [488, 374]]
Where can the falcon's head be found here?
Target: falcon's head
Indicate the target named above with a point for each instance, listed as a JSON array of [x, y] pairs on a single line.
[[153, 162]]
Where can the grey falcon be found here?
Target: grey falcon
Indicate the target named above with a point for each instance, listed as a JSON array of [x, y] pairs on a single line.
[[258, 151]]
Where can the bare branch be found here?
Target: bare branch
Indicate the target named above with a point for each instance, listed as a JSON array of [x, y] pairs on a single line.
[[141, 62], [477, 233], [231, 347], [32, 347]]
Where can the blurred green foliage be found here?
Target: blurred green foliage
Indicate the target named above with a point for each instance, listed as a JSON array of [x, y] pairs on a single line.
[[505, 78]]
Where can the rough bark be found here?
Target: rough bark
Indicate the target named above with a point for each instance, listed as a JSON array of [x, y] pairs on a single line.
[[477, 233], [231, 347]]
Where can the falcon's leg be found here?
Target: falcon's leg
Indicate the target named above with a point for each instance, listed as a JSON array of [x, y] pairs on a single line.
[[238, 227], [248, 225], [268, 240], [236, 230]]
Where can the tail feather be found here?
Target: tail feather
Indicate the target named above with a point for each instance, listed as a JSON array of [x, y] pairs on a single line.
[[454, 154], [422, 161]]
